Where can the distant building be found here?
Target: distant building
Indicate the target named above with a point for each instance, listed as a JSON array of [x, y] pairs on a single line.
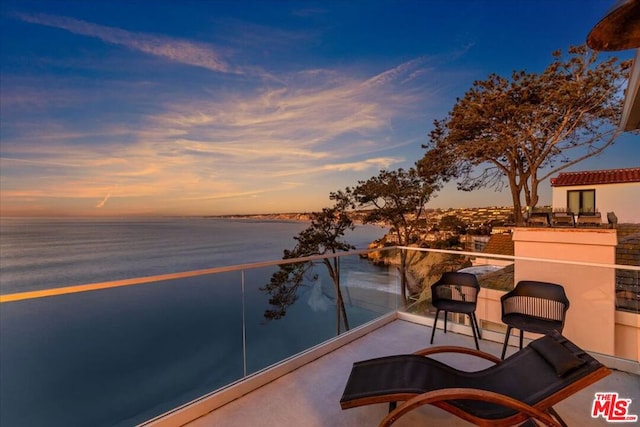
[[498, 244], [599, 192]]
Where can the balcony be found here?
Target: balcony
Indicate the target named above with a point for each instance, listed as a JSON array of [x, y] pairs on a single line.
[[148, 351], [309, 395]]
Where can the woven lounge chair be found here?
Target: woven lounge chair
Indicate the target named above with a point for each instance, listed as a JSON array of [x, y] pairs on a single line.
[[522, 387]]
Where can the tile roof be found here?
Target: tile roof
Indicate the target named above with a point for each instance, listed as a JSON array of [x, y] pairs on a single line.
[[500, 244], [609, 176]]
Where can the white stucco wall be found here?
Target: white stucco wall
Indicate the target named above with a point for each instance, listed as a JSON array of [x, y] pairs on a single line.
[[623, 199]]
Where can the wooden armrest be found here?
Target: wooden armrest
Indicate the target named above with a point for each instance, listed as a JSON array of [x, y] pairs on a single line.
[[443, 395], [456, 349]]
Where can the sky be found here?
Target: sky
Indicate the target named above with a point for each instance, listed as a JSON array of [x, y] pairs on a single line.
[[219, 107]]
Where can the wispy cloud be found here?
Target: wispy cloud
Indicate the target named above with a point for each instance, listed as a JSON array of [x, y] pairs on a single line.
[[104, 201], [373, 164], [186, 52], [208, 153], [403, 73]]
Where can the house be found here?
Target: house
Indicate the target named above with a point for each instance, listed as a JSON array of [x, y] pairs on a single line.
[[595, 193], [498, 244]]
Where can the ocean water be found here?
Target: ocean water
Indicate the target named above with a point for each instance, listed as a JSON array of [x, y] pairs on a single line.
[[42, 253], [120, 356]]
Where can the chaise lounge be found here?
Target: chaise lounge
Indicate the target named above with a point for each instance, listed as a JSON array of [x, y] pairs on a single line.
[[524, 386]]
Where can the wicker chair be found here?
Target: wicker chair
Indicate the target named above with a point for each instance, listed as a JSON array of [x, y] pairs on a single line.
[[457, 293], [538, 307]]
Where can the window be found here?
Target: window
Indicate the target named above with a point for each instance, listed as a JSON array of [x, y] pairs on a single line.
[[581, 201]]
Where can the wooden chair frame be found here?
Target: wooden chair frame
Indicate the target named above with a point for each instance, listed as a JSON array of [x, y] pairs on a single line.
[[541, 411]]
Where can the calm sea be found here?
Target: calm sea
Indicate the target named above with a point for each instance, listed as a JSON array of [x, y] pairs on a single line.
[[120, 356]]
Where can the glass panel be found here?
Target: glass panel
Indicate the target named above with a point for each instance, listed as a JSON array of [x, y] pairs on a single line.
[[573, 201], [118, 356], [368, 291], [589, 201]]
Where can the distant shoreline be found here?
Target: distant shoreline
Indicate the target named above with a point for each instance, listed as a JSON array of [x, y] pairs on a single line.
[[303, 217]]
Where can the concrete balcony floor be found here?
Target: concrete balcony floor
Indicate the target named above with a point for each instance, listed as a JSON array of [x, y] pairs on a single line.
[[310, 395]]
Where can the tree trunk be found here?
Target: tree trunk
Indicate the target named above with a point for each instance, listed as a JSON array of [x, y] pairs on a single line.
[[403, 275], [517, 207], [534, 191], [341, 310]]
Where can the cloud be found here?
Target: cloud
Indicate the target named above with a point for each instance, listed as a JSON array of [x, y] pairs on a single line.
[[408, 69], [186, 52], [373, 164], [323, 129], [104, 201], [310, 118]]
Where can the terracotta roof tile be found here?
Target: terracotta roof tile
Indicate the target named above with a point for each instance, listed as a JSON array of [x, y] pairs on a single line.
[[609, 176], [500, 244]]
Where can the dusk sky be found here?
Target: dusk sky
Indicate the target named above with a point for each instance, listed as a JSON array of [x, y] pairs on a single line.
[[217, 107]]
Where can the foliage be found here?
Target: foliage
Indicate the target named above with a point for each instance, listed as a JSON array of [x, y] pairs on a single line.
[[453, 223], [451, 242], [524, 129], [398, 198], [323, 236]]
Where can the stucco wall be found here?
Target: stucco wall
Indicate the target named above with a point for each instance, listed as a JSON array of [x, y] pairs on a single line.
[[620, 198], [591, 290]]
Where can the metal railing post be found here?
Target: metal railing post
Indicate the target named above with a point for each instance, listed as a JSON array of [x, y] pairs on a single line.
[[244, 329]]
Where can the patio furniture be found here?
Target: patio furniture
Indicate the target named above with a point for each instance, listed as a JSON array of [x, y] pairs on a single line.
[[562, 219], [538, 219], [524, 386], [532, 306], [589, 219], [456, 292]]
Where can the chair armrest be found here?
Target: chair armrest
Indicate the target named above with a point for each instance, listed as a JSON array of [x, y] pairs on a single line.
[[434, 397], [456, 349]]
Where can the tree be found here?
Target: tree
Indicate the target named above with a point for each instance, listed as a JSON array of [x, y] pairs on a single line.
[[453, 223], [398, 198], [323, 236], [525, 129]]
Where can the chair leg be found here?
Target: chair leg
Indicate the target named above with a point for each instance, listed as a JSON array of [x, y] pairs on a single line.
[[475, 322], [435, 323], [473, 329], [506, 341], [521, 334], [557, 416], [445, 321]]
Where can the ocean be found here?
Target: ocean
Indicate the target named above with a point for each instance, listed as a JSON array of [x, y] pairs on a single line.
[[118, 357]]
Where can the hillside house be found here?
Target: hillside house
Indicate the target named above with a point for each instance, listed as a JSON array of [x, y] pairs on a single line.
[[590, 195]]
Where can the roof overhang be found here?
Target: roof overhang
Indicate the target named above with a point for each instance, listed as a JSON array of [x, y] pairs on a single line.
[[631, 110], [620, 30]]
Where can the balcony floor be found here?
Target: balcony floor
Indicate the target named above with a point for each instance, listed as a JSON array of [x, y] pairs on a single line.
[[310, 395]]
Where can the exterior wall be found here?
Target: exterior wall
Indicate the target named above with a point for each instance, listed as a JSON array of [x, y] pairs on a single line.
[[627, 335], [620, 198], [591, 290], [489, 307], [626, 331]]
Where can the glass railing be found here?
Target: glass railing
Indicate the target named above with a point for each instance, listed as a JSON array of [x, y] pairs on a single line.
[[500, 272], [120, 353]]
